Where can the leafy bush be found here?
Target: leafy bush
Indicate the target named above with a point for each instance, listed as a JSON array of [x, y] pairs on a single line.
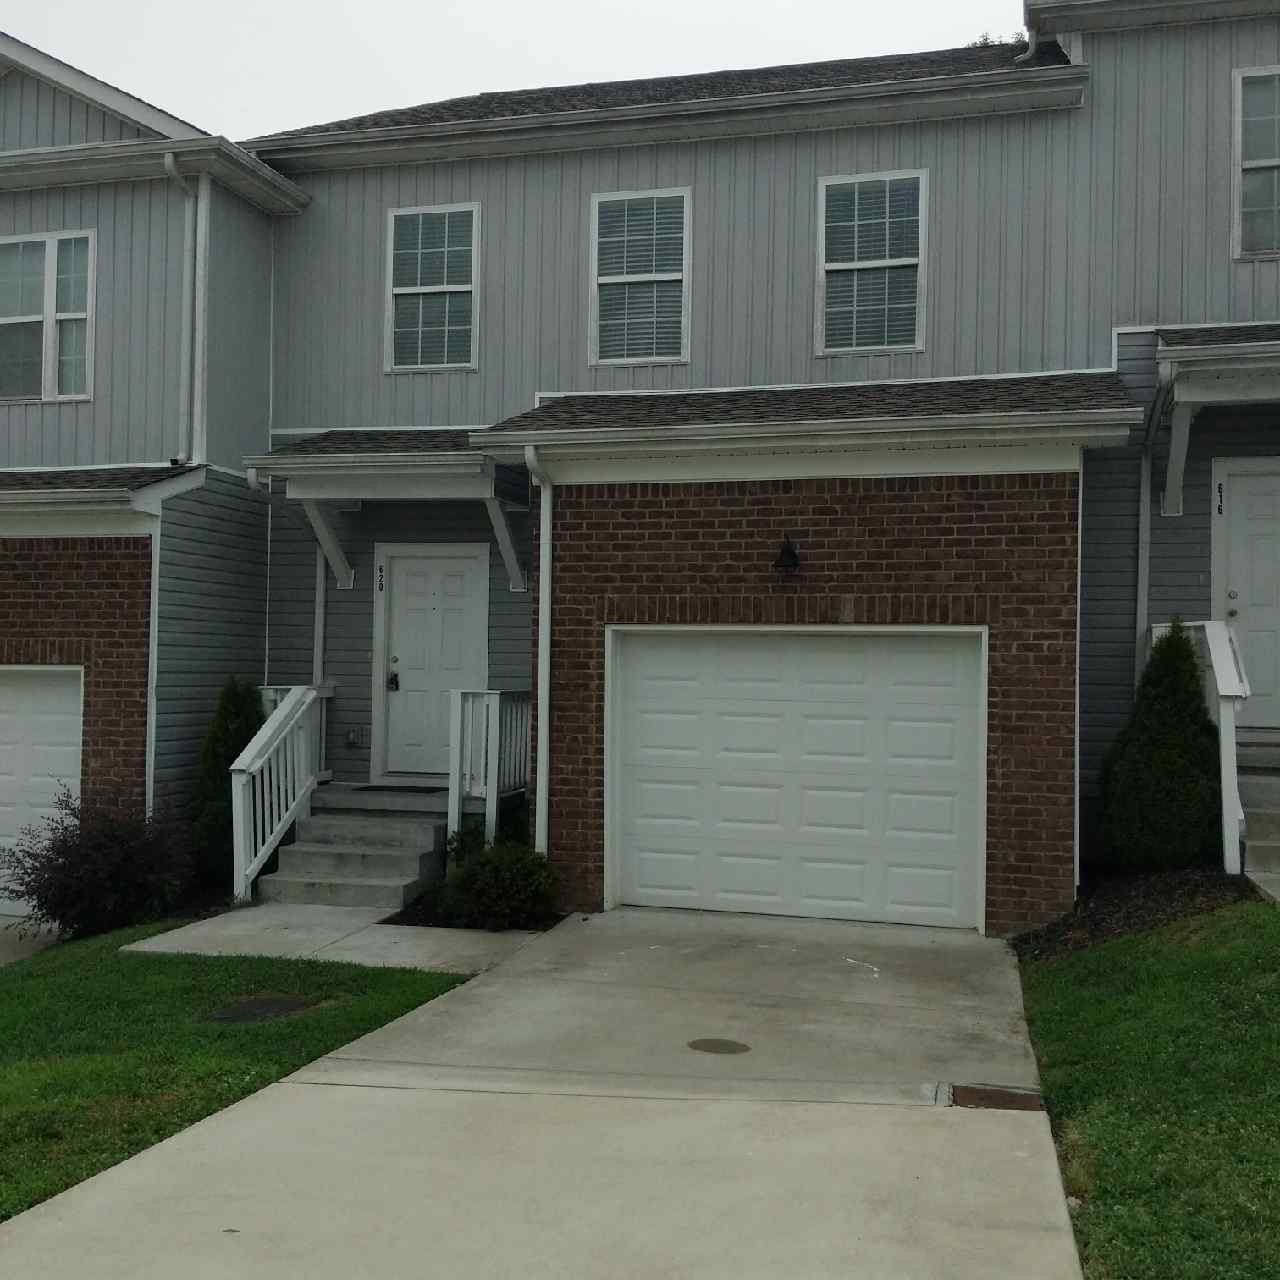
[[1161, 797], [506, 886], [237, 718], [98, 864]]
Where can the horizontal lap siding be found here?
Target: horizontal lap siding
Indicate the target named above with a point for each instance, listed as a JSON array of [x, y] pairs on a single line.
[[349, 627], [211, 619]]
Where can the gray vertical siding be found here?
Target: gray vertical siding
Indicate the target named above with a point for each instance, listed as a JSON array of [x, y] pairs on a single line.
[[33, 113], [239, 329], [1117, 213], [349, 615], [211, 617], [133, 416]]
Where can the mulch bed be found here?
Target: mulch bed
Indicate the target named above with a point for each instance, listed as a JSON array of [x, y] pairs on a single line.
[[428, 911], [1116, 906]]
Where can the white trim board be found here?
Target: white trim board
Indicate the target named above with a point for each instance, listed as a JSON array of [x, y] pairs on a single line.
[[613, 634], [382, 552]]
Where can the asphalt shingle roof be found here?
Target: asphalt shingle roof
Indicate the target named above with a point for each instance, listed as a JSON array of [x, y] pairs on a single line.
[[1220, 335], [373, 442], [705, 87], [1031, 394], [88, 478]]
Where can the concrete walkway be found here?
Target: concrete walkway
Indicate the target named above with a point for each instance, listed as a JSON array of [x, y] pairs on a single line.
[[351, 934], [553, 1118]]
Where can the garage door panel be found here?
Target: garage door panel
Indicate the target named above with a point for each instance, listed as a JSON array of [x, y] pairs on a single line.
[[832, 775], [40, 742]]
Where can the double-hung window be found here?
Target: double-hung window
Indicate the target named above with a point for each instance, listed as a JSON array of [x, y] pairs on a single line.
[[431, 272], [46, 321], [871, 259], [640, 277], [1257, 228]]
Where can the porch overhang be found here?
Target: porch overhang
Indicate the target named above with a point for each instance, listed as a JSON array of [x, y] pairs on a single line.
[[962, 424], [1201, 369], [320, 479]]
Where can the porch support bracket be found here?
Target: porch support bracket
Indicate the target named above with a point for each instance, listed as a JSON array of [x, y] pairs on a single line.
[[344, 575], [506, 544], [1179, 438]]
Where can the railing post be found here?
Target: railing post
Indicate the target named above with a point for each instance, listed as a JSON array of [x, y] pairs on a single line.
[[242, 835], [454, 819], [1232, 809], [492, 760], [305, 758]]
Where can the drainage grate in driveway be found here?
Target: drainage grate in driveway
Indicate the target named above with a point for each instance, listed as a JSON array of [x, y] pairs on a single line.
[[994, 1098], [719, 1046]]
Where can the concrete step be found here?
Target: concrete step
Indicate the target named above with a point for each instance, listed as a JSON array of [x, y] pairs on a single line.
[[331, 799], [1259, 790], [1262, 855], [372, 831], [358, 862], [1261, 824], [389, 893]]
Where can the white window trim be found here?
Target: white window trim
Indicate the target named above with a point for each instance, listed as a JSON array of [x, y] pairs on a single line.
[[920, 262], [1238, 77], [49, 316], [472, 365], [593, 280]]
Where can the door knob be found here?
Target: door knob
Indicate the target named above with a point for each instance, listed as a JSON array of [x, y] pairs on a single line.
[[1233, 613], [393, 681]]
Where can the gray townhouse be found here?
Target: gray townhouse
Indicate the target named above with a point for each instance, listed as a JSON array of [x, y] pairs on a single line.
[[779, 474]]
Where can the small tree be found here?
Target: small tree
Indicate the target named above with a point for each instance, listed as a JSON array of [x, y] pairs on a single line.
[[237, 718], [1161, 796]]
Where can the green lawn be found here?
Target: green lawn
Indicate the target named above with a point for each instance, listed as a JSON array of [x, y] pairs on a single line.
[[1160, 1059], [103, 1054]]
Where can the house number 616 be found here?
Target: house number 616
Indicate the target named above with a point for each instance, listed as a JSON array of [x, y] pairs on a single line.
[[381, 579], [1219, 499]]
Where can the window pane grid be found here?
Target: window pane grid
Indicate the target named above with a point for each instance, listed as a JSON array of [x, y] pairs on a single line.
[[1260, 161], [640, 264], [432, 284], [871, 261]]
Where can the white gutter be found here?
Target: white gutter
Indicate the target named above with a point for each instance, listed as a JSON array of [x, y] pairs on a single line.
[[188, 294], [542, 786]]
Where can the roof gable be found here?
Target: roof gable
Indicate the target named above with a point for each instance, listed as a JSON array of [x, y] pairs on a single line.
[[58, 104]]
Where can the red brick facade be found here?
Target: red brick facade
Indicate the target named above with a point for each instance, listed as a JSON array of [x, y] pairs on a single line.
[[999, 550], [87, 602]]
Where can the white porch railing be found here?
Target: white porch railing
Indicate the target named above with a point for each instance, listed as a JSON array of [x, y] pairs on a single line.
[[273, 777], [1226, 686], [274, 694], [488, 751]]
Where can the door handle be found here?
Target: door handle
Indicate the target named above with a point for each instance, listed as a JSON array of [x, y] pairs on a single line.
[[393, 682], [1233, 613]]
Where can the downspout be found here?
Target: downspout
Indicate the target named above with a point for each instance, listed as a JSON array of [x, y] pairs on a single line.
[[542, 784], [188, 298], [200, 331]]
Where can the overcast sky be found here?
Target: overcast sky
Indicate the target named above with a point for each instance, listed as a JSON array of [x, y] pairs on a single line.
[[246, 67]]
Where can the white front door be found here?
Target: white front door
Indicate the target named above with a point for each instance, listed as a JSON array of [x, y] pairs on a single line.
[[39, 750], [1251, 586], [431, 625], [800, 773]]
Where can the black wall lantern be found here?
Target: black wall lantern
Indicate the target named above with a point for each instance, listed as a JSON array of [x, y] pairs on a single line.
[[788, 560]]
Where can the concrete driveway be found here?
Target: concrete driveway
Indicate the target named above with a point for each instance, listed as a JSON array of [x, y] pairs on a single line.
[[550, 1119]]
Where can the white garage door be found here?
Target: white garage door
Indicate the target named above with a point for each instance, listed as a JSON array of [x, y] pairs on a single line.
[[803, 774], [39, 748]]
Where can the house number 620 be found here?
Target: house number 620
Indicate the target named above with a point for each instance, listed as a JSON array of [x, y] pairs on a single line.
[[381, 578]]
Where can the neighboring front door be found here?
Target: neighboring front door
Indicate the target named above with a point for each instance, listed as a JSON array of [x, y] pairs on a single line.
[[431, 624], [1249, 595]]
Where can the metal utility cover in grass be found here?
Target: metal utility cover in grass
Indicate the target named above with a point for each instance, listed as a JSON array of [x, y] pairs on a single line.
[[719, 1046], [260, 1009]]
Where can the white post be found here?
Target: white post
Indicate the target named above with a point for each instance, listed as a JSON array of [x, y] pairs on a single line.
[[455, 761], [241, 835], [306, 762], [493, 753], [1231, 807]]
